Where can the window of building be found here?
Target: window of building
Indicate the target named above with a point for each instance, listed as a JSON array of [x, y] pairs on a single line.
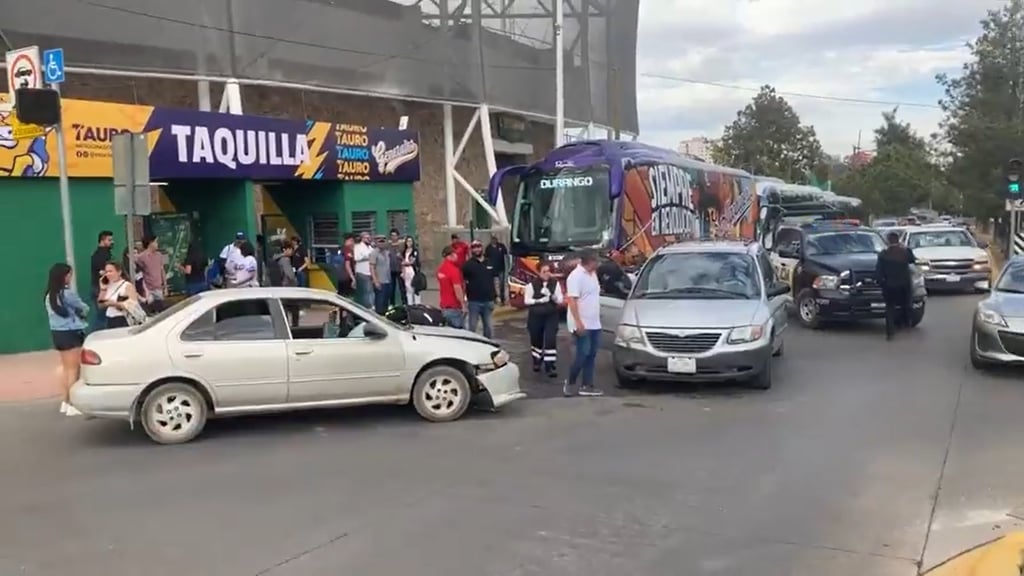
[[325, 236], [399, 220], [364, 221]]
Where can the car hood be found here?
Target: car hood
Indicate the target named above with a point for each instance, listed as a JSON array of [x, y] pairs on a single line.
[[859, 262], [949, 253], [690, 313], [1008, 304], [453, 333]]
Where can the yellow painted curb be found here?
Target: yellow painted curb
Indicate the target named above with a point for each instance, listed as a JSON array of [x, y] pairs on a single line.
[[1000, 557], [506, 312]]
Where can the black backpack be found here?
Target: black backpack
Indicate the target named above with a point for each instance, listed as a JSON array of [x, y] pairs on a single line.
[[416, 315]]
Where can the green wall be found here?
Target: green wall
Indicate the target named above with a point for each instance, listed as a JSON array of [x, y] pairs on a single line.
[[380, 198], [30, 214], [300, 200], [223, 208]]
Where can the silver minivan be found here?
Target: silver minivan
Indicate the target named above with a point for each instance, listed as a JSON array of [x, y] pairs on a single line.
[[701, 312]]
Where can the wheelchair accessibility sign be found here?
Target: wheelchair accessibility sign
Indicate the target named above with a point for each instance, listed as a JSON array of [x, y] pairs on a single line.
[[53, 66]]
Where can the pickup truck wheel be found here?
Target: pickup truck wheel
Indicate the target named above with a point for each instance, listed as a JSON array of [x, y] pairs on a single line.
[[916, 316], [807, 309]]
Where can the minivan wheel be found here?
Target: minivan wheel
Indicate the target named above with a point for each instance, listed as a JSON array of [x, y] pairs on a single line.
[[173, 413], [916, 316], [441, 394], [807, 309], [763, 380], [625, 382]]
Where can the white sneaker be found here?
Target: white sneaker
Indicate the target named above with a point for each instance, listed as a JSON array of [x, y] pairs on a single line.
[[72, 411], [63, 407]]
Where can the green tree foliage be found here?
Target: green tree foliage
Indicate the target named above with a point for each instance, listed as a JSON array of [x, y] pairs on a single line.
[[984, 106], [902, 175], [768, 139]]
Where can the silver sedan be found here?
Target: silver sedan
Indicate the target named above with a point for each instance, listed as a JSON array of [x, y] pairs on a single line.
[[997, 336], [255, 350]]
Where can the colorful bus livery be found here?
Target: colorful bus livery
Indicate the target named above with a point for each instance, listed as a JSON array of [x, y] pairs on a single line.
[[618, 196]]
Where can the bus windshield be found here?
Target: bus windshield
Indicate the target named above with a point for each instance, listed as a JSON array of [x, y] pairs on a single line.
[[563, 209]]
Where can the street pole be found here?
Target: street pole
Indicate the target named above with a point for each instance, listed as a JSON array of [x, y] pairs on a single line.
[[65, 190], [559, 74]]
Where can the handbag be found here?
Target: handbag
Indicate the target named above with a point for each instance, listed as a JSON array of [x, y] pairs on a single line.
[[419, 281], [134, 313]]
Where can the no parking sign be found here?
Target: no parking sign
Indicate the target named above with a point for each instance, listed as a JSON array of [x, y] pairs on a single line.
[[23, 70]]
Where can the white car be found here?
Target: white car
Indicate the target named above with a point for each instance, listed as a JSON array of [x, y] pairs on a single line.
[[950, 257], [258, 350]]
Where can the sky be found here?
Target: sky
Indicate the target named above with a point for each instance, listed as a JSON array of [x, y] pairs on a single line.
[[883, 50]]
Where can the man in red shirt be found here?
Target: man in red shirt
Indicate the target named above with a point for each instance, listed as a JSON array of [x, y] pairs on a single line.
[[461, 250], [451, 287]]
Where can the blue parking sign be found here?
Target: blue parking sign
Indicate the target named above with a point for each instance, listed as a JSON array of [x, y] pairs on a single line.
[[53, 66]]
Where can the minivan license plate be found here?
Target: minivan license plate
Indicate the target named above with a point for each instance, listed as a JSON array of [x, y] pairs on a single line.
[[682, 365]]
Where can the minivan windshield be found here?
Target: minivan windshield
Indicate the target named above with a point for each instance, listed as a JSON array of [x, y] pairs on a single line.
[[699, 275]]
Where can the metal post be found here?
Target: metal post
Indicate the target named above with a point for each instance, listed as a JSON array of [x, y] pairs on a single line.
[[203, 91], [65, 192], [559, 74], [449, 167], [1014, 223], [129, 219]]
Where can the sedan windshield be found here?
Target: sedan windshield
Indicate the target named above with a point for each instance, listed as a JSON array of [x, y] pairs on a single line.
[[1012, 279], [932, 239], [844, 243], [699, 275]]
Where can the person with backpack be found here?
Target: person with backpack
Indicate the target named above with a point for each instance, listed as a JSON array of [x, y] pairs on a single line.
[[281, 272]]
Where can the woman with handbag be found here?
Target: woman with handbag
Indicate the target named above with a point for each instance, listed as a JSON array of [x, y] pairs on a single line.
[[411, 272], [67, 315], [119, 298]]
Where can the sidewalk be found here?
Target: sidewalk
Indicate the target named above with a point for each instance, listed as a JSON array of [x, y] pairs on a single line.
[[36, 375]]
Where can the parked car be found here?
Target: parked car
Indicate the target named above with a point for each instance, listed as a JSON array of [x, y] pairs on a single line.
[[257, 350], [950, 257], [997, 334], [703, 312], [831, 267]]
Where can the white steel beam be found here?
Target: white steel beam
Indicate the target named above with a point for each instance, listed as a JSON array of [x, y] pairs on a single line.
[[449, 167], [475, 195]]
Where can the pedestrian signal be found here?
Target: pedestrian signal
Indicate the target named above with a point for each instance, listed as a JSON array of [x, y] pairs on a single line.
[[1014, 172]]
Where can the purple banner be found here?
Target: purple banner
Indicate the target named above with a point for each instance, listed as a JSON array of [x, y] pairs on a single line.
[[194, 144]]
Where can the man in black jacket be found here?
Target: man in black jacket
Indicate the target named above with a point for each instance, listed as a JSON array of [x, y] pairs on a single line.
[[496, 255], [894, 277], [104, 253]]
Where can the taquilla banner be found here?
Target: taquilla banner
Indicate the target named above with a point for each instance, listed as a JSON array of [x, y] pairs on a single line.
[[193, 144]]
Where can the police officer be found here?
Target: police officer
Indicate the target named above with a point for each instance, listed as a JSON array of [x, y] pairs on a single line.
[[893, 270]]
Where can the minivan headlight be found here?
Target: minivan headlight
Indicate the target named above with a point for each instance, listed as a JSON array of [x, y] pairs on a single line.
[[744, 334], [628, 336], [826, 282]]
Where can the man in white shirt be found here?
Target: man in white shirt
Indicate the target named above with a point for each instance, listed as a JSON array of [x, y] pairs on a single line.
[[583, 294], [230, 259], [361, 254]]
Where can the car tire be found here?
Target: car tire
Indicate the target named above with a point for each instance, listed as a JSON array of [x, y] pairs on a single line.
[[173, 413], [441, 394], [763, 380], [916, 316], [782, 350], [807, 309]]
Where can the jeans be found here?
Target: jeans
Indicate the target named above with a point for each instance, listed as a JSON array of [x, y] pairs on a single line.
[[364, 290], [193, 288], [454, 317], [481, 311], [501, 278], [382, 298], [583, 362], [302, 279], [898, 307], [397, 289]]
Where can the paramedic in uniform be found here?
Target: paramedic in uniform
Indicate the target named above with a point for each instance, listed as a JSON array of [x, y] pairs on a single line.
[[543, 298]]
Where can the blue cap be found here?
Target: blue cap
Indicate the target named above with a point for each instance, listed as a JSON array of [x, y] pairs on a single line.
[[239, 235]]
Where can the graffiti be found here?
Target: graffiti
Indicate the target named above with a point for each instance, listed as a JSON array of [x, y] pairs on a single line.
[[27, 158]]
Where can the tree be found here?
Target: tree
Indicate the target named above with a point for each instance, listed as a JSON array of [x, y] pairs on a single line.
[[984, 110], [902, 175], [768, 139]]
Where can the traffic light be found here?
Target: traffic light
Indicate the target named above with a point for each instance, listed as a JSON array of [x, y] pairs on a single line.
[[1014, 172]]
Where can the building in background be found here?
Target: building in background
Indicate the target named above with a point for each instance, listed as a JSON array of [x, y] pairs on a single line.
[[860, 158], [699, 147]]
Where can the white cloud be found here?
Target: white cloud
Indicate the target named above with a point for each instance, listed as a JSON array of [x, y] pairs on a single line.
[[886, 50]]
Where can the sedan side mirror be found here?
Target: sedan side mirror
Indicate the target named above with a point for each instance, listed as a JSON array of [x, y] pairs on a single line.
[[374, 332], [778, 289]]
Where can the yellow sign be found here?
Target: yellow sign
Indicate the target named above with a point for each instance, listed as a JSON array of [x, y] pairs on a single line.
[[20, 131]]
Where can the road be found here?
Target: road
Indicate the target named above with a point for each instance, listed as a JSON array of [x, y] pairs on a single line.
[[864, 459]]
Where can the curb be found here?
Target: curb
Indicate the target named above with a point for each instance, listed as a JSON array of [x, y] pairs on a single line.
[[506, 312], [1000, 557]]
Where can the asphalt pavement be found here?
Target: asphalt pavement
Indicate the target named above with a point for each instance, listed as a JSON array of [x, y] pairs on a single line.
[[865, 458]]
